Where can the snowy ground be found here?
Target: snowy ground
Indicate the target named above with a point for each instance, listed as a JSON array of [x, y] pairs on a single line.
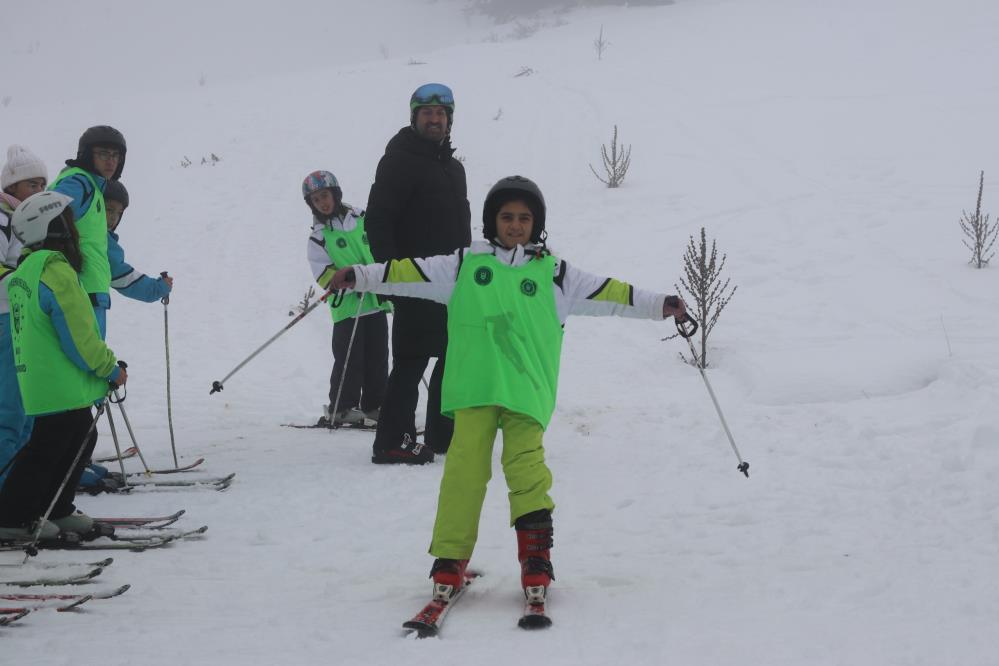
[[829, 147]]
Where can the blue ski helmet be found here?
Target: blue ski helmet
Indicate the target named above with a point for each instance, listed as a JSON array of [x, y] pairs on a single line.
[[431, 94]]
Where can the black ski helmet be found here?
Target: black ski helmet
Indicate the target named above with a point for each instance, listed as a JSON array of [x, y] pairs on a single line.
[[100, 135], [115, 191], [513, 188]]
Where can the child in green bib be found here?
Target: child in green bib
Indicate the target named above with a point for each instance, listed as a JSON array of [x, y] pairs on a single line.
[[360, 324], [508, 298]]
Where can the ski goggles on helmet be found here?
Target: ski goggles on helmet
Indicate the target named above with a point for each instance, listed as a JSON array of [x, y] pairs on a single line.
[[431, 94]]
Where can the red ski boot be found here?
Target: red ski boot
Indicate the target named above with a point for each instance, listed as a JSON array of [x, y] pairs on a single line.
[[534, 542], [449, 577]]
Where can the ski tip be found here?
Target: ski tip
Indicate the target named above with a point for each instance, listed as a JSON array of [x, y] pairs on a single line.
[[75, 604], [8, 619], [534, 622], [420, 629]]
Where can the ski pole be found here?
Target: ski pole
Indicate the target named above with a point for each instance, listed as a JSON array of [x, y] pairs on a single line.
[[166, 343], [117, 448], [218, 384], [346, 362], [120, 400], [31, 549], [686, 334]]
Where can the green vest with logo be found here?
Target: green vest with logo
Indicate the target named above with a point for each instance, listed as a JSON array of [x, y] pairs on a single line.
[[346, 248], [93, 229], [48, 380], [504, 338]]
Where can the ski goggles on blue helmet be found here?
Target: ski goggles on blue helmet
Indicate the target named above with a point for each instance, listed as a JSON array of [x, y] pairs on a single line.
[[432, 94]]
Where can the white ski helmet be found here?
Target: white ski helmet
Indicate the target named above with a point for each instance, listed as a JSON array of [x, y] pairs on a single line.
[[31, 219]]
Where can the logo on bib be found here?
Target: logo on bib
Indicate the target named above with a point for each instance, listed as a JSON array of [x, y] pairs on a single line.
[[483, 275], [528, 287], [341, 243]]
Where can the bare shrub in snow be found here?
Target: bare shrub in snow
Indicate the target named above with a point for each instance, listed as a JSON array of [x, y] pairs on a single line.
[[524, 71], [615, 164], [709, 294], [499, 114], [7, 99], [600, 44], [980, 232], [303, 304]]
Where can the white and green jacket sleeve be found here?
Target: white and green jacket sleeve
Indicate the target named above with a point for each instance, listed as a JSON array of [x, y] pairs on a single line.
[[320, 263], [576, 292]]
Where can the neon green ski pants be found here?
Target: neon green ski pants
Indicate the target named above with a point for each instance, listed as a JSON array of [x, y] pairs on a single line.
[[468, 468]]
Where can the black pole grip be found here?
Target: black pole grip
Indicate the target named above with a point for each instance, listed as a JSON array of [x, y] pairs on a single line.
[[216, 387], [166, 299]]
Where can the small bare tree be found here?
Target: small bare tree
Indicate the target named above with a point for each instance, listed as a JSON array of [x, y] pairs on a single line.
[[303, 304], [616, 164], [600, 44], [709, 294], [981, 233]]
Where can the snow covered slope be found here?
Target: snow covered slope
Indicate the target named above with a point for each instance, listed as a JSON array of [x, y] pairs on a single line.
[[829, 147]]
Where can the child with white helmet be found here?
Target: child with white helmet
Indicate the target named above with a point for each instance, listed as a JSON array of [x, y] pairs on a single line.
[[63, 367], [22, 175], [360, 324]]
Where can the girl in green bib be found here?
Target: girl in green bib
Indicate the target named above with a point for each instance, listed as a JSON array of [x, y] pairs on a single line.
[[338, 239], [508, 298], [63, 368]]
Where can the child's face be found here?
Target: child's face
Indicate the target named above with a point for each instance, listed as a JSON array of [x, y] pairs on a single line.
[[323, 201], [106, 160], [113, 210], [23, 189], [514, 223]]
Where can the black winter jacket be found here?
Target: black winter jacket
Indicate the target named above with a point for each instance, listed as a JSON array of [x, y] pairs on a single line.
[[418, 207]]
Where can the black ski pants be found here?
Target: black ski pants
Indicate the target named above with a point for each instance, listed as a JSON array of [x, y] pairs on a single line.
[[367, 367], [398, 415], [43, 464]]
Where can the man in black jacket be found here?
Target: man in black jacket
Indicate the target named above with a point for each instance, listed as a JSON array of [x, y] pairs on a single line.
[[418, 207]]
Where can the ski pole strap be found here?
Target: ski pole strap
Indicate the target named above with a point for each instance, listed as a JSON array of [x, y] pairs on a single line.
[[114, 387], [337, 298], [166, 299], [686, 327]]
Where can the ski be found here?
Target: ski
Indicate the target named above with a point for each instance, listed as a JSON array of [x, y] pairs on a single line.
[[127, 453], [60, 565], [10, 619], [55, 580], [78, 598], [149, 522], [427, 623], [217, 483], [138, 544], [55, 604], [173, 470], [323, 424], [158, 472], [172, 535]]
